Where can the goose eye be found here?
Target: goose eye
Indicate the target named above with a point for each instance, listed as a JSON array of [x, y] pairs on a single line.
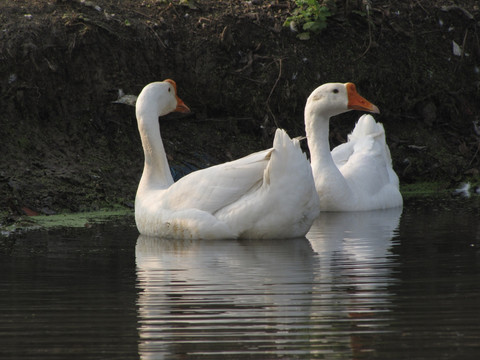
[[169, 89], [335, 91]]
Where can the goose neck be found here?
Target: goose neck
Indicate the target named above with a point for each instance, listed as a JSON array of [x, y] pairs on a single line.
[[317, 130], [156, 172]]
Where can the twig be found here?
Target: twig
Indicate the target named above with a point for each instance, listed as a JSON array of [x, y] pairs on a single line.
[[461, 9], [170, 5], [142, 14], [369, 22], [273, 89], [462, 55], [261, 82], [249, 63], [278, 79], [419, 4], [474, 155], [150, 27], [157, 36], [464, 43]]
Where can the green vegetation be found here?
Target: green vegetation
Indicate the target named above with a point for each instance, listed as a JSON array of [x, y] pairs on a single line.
[[425, 189], [85, 219], [311, 15], [68, 220]]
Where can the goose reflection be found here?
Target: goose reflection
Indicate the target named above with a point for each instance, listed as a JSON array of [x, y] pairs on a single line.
[[220, 296], [356, 243], [355, 248], [356, 268], [365, 233], [262, 299]]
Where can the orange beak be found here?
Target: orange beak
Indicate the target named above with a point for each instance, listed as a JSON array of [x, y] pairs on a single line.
[[357, 102], [181, 107]]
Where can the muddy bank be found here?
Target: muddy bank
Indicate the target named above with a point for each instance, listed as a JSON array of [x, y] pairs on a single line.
[[66, 147]]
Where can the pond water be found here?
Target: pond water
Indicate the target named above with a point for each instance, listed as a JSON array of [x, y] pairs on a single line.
[[374, 285]]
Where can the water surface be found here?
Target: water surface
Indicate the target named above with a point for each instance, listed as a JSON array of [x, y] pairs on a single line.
[[371, 285]]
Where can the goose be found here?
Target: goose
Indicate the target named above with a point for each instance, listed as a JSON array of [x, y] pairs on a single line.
[[356, 175], [267, 195]]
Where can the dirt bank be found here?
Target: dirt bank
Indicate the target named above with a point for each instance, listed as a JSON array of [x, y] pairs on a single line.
[[66, 146]]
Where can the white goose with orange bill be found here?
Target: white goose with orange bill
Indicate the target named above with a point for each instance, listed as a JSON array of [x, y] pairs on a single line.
[[266, 195], [356, 175]]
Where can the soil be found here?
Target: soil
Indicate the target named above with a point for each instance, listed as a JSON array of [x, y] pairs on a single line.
[[66, 146]]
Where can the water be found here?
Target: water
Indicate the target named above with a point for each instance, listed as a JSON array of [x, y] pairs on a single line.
[[374, 285]]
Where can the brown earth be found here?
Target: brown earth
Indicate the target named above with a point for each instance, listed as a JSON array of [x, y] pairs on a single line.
[[66, 147]]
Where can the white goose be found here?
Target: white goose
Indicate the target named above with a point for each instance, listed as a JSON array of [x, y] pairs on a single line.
[[357, 175], [268, 194]]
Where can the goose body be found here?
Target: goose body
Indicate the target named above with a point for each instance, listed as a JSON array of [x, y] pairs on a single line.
[[356, 175], [268, 194]]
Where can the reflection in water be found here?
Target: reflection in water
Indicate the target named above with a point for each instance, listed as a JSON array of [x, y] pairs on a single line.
[[267, 299], [223, 296], [356, 267], [69, 294], [357, 287], [356, 245]]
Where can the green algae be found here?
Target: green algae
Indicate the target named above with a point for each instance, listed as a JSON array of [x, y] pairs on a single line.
[[78, 220], [67, 220], [425, 189]]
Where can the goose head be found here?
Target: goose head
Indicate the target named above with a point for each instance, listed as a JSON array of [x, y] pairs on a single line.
[[158, 99], [335, 98]]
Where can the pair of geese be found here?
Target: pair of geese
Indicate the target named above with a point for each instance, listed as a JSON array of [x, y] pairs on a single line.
[[274, 193]]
